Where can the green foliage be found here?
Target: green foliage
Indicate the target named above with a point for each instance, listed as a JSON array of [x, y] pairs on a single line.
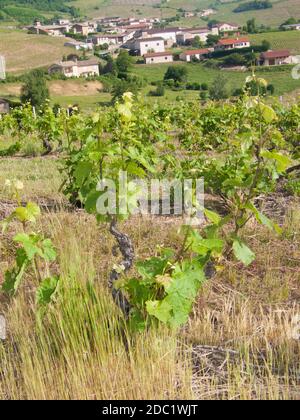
[[241, 149], [35, 89], [34, 252], [176, 73], [219, 89], [253, 5], [124, 62], [25, 11]]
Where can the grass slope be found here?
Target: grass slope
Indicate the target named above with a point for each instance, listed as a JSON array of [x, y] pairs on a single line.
[[280, 40], [281, 11], [23, 51]]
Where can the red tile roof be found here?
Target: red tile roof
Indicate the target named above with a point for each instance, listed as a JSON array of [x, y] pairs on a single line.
[[276, 54], [233, 41]]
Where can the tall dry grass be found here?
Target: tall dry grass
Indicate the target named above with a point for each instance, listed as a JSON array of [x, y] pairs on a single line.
[[82, 351]]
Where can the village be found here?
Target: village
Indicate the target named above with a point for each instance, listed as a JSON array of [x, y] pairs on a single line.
[[150, 40], [207, 51]]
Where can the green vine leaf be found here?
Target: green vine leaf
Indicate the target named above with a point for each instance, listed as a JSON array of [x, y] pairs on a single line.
[[243, 253]]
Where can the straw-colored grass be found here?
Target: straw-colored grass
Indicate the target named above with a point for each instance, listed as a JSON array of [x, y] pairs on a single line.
[[83, 351]]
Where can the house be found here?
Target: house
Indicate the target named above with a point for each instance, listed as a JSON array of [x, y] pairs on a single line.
[[199, 54], [149, 45], [293, 27], [158, 58], [82, 29], [85, 68], [4, 106], [168, 34], [189, 14], [188, 35], [276, 58], [110, 21], [206, 12], [112, 39], [52, 30], [63, 22], [136, 27], [226, 27], [232, 44], [77, 45]]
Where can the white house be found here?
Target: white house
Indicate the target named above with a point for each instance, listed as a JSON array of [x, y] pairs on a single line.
[[206, 12], [224, 28], [158, 58], [112, 39], [199, 54], [232, 44], [149, 45], [76, 68], [77, 45], [295, 27], [190, 34], [64, 22], [168, 34]]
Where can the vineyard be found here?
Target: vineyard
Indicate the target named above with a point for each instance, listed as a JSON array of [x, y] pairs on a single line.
[[106, 295]]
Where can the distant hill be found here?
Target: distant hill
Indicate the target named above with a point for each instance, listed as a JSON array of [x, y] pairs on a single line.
[[25, 11]]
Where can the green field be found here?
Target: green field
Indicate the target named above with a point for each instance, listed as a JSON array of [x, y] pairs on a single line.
[[281, 79], [280, 40]]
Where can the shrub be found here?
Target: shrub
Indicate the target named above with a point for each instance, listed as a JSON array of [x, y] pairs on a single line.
[[176, 73], [159, 91]]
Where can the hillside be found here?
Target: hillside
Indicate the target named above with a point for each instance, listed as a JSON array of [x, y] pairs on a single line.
[[25, 11], [23, 51], [281, 10]]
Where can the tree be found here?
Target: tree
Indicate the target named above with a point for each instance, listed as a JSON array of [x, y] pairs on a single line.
[[212, 40], [197, 43], [176, 73], [251, 58], [266, 45], [110, 66], [124, 62], [121, 87], [251, 26], [235, 59], [159, 91], [219, 89], [35, 89]]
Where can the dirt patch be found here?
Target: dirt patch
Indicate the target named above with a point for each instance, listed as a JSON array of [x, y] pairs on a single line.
[[74, 88]]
